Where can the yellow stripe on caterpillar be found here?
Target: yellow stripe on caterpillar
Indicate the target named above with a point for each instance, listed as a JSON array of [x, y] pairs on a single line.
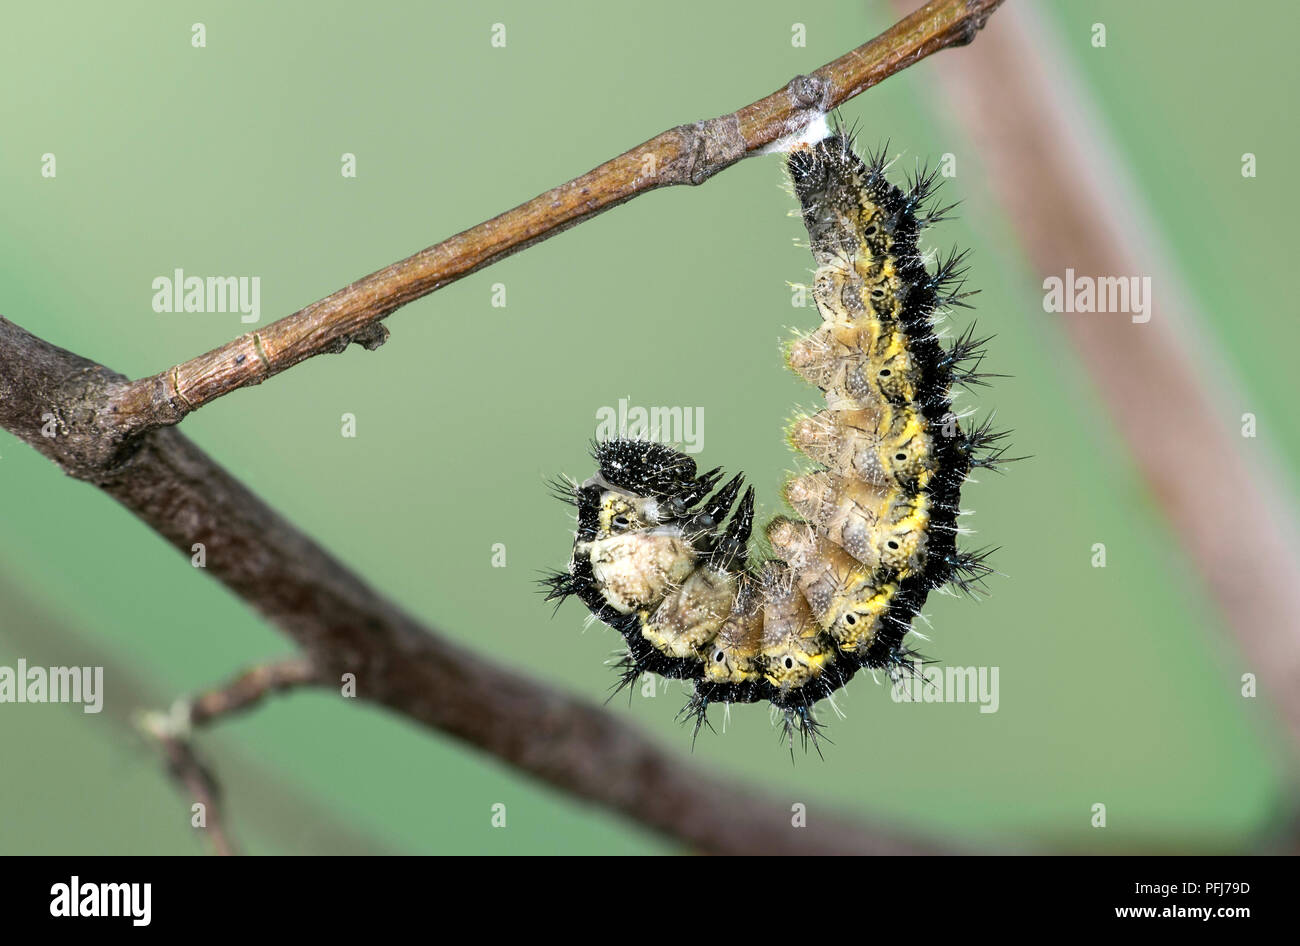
[[880, 527], [876, 444]]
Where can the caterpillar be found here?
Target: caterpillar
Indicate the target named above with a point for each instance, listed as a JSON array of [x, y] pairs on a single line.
[[661, 551]]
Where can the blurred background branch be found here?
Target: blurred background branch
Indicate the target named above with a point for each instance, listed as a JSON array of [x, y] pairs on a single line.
[[1053, 165], [290, 816], [172, 730]]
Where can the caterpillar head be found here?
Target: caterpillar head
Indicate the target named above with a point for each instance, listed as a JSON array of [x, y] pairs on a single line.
[[653, 471], [644, 527]]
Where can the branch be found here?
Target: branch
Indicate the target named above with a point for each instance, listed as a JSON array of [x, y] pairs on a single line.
[[250, 688], [284, 814], [172, 731], [184, 765], [687, 154], [344, 626]]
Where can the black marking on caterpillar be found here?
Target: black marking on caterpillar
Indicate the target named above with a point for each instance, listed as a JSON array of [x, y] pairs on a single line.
[[660, 553]]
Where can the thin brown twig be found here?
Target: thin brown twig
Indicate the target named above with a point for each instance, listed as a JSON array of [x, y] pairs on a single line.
[[172, 731], [250, 688], [198, 780], [284, 814], [687, 154]]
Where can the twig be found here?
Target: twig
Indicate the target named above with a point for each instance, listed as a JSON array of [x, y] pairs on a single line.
[[172, 731], [284, 814], [250, 688], [184, 765], [688, 154]]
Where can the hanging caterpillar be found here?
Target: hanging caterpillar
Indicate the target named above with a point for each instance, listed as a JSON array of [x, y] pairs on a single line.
[[655, 555]]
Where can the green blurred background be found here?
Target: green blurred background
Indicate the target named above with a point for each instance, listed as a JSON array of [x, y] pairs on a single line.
[[1116, 683]]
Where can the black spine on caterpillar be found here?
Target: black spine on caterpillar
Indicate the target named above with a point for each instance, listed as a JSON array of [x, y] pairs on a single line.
[[655, 555]]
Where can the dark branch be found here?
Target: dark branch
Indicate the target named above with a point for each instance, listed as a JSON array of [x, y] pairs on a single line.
[[344, 626]]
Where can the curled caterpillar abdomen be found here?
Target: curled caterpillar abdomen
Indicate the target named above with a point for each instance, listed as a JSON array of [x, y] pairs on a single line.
[[660, 552]]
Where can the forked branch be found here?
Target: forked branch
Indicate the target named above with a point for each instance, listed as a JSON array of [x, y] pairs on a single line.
[[172, 731]]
